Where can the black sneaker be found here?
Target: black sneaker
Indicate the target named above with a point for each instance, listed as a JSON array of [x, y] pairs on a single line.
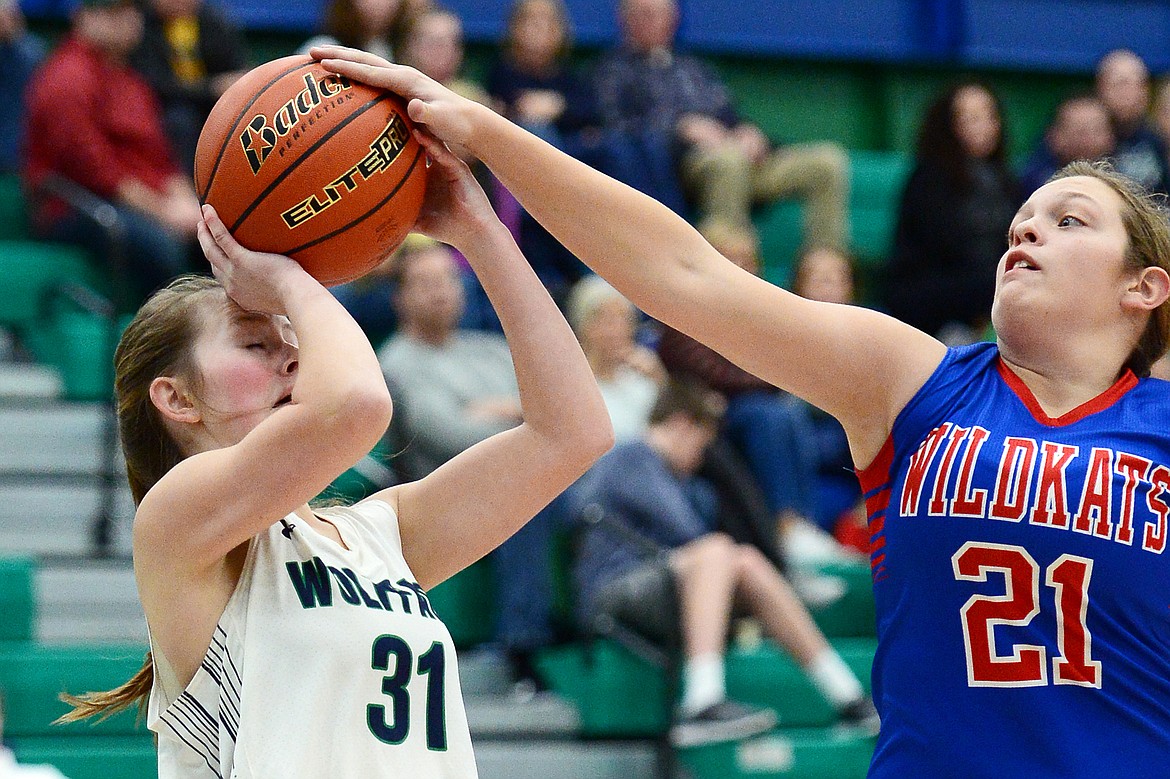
[[523, 670], [862, 715], [723, 721]]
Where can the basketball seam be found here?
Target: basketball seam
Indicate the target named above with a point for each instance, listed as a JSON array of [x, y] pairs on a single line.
[[235, 125], [304, 156], [367, 214]]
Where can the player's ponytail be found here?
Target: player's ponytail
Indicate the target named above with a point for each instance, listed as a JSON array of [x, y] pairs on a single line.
[[157, 342], [136, 691]]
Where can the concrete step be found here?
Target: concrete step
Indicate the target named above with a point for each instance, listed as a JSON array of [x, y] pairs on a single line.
[[29, 380], [570, 760], [88, 601], [54, 438], [507, 716], [47, 516]]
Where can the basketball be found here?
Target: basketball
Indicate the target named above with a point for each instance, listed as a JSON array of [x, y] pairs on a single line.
[[306, 163]]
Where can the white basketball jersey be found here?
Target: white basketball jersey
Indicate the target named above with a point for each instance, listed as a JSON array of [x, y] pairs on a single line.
[[327, 662]]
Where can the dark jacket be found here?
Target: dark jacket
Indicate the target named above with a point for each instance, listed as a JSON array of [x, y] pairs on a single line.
[[947, 243]]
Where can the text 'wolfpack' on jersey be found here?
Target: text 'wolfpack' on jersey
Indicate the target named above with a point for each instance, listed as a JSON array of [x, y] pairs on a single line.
[[327, 662]]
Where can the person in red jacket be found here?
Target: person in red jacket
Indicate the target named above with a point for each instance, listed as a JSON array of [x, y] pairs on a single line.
[[94, 121]]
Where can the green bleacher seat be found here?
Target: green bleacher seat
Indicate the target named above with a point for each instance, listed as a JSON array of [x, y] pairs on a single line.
[[31, 269], [53, 329], [617, 694], [621, 695], [853, 615], [781, 229], [13, 216], [34, 675], [466, 604], [92, 757], [876, 180], [81, 347], [767, 676], [17, 599], [784, 754]]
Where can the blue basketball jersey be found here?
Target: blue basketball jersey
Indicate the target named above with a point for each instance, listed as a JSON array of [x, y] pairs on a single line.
[[1021, 579]]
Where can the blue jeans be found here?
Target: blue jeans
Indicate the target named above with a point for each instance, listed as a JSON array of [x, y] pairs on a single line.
[[774, 434], [524, 586], [153, 256]]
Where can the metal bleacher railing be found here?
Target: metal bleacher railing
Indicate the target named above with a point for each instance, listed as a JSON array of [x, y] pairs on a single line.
[[106, 217]]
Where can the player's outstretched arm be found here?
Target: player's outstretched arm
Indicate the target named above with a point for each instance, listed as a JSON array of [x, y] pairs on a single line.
[[858, 365], [471, 504]]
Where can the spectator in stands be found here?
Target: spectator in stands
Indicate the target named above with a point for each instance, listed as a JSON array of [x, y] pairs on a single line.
[[190, 54], [643, 486], [115, 148], [1161, 114], [535, 87], [628, 373], [367, 298], [771, 429], [631, 377], [726, 162], [370, 25], [827, 274], [432, 41], [10, 769], [955, 210], [531, 80], [1123, 84], [452, 389], [1080, 130], [20, 53]]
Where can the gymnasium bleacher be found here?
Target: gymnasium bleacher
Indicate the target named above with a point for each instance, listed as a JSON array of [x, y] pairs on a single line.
[[858, 72]]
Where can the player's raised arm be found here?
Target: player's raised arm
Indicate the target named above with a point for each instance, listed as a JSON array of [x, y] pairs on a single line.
[[859, 365], [471, 504]]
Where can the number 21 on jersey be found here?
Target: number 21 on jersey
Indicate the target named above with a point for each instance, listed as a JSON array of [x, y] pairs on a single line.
[[1025, 665]]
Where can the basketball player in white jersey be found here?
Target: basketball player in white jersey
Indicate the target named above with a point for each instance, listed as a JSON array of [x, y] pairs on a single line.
[[292, 642]]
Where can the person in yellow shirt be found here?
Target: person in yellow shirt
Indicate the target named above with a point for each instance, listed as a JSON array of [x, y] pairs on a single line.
[[190, 54]]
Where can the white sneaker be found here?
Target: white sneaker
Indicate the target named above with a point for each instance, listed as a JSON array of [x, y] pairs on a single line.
[[803, 543], [817, 590]]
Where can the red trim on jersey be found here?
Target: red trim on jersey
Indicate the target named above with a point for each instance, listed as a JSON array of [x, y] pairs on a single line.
[[875, 487], [877, 474], [1103, 401]]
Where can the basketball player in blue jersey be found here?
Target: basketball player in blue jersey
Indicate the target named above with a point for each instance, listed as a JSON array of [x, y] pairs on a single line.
[[1019, 492], [291, 642]]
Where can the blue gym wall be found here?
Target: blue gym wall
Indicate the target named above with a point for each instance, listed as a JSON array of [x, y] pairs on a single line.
[[1044, 35]]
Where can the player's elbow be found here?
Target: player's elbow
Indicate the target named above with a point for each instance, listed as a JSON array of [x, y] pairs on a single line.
[[588, 441], [364, 414]]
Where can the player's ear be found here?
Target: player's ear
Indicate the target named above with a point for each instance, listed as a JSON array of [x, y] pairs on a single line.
[[1149, 289], [170, 396]]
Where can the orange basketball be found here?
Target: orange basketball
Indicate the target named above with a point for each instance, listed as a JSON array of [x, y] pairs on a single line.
[[303, 162]]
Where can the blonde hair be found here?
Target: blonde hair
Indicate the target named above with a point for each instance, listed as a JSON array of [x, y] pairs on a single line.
[[1145, 219], [588, 295], [157, 342]]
